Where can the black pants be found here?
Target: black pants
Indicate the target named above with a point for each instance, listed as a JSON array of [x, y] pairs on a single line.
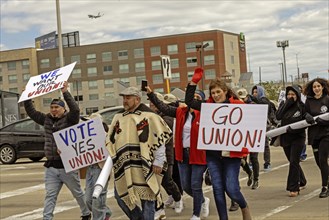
[[296, 177], [321, 153], [255, 164]]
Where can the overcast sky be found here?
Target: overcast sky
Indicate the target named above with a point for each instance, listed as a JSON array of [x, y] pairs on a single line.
[[304, 23]]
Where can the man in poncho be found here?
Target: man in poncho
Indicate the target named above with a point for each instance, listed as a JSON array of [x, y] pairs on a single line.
[[136, 143]]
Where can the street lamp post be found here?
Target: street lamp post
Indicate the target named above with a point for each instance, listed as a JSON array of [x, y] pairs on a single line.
[[297, 67], [59, 31], [200, 47], [282, 71], [283, 44]]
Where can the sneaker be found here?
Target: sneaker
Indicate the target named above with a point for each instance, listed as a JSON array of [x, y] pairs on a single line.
[[86, 217], [160, 215], [267, 167], [194, 217], [234, 206], [179, 206], [205, 208], [302, 159], [169, 202], [324, 192], [249, 182], [255, 185]]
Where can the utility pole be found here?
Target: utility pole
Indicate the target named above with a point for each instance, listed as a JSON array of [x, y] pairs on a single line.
[[260, 75]]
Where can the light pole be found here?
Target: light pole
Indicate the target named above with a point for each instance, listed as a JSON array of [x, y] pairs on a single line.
[[283, 44], [282, 71], [297, 67], [200, 47], [59, 31]]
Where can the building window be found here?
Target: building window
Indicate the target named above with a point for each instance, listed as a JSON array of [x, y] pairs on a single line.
[[125, 81], [159, 90], [12, 78], [123, 68], [77, 86], [157, 78], [11, 65], [91, 110], [93, 97], [156, 65], [107, 70], [232, 45], [210, 44], [232, 59], [209, 60], [191, 61], [190, 47], [210, 74], [190, 75], [174, 63], [76, 73], [139, 79], [108, 83], [175, 77], [139, 52], [25, 64], [233, 72], [75, 58], [78, 98], [1, 79], [139, 67], [26, 77], [109, 94], [15, 90], [0, 67], [91, 58], [44, 63], [92, 71], [92, 84], [123, 54], [155, 51], [46, 101], [106, 56], [172, 49]]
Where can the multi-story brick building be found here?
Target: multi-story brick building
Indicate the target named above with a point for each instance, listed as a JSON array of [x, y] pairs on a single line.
[[99, 68]]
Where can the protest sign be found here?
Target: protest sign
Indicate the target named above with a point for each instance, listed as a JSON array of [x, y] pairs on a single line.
[[232, 127], [46, 82], [82, 145]]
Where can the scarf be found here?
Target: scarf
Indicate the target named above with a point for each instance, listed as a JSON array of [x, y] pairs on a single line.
[[132, 140]]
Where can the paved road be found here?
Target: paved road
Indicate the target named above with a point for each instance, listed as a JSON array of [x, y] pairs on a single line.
[[22, 194]]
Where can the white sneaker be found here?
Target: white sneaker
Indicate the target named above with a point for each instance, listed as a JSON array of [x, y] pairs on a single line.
[[205, 208], [195, 218], [179, 206], [160, 215], [169, 202]]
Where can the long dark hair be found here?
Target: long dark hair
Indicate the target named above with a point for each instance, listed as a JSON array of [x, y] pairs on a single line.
[[308, 91], [221, 84]]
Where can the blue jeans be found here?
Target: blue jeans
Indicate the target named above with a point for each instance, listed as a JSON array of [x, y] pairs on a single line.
[[146, 213], [224, 173], [97, 206], [54, 180], [191, 176]]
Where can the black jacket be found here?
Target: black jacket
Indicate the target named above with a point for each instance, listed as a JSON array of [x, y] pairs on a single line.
[[289, 112]]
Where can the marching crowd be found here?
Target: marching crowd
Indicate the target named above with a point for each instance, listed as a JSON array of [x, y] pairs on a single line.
[[156, 146]]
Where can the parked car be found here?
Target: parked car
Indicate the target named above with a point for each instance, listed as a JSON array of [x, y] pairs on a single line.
[[108, 113], [21, 139]]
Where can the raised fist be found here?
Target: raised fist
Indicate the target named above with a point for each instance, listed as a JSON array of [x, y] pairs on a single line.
[[197, 76]]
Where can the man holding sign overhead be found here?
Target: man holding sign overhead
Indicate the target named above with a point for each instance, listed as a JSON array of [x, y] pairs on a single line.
[[55, 176]]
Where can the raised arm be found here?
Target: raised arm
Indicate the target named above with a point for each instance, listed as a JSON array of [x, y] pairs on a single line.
[[189, 98], [164, 108], [74, 114]]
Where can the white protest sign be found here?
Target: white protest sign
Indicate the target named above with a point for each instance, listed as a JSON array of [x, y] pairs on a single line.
[[232, 127], [46, 82], [166, 66], [82, 145]]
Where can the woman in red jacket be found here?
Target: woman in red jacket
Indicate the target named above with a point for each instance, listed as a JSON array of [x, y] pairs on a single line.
[[191, 161], [224, 166]]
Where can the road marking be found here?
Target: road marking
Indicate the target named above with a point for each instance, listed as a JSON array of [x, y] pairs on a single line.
[[282, 208], [22, 174], [12, 168], [22, 191]]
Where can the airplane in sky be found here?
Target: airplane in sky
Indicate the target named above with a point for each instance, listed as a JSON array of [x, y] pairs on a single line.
[[95, 16]]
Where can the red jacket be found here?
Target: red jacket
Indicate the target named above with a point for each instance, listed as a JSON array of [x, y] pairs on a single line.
[[196, 156]]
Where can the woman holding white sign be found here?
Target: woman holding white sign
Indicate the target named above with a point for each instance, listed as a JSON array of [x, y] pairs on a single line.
[[224, 166], [290, 111], [317, 103]]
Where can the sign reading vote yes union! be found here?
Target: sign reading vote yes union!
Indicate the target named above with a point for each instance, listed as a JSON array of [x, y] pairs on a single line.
[[46, 82], [82, 145], [232, 126]]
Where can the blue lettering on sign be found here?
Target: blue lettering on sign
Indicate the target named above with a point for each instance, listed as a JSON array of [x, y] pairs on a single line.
[[50, 74]]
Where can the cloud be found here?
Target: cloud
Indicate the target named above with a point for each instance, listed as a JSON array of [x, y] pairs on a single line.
[[303, 23]]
